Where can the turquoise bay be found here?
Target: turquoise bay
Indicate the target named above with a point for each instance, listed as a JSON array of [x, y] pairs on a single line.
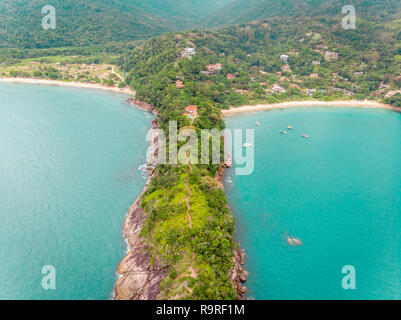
[[339, 192], [68, 174]]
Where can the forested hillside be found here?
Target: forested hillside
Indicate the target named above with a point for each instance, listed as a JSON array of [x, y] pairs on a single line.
[[321, 60], [88, 22], [240, 11]]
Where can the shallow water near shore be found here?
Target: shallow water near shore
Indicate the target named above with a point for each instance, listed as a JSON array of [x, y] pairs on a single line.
[[68, 175], [338, 192]]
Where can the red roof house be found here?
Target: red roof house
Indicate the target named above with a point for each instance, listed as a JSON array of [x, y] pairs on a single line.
[[179, 84], [214, 67], [191, 112]]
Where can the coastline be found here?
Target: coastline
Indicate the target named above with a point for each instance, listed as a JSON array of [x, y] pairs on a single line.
[[310, 103], [68, 84], [138, 279]]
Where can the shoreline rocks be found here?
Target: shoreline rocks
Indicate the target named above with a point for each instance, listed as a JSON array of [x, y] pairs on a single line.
[[238, 275], [142, 105], [139, 279]]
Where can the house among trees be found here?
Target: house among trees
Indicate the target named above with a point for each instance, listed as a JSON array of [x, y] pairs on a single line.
[[188, 53], [331, 55], [276, 88], [179, 84], [309, 92], [206, 73], [191, 112], [316, 63], [285, 68], [322, 46], [314, 76], [284, 57], [230, 76], [215, 67]]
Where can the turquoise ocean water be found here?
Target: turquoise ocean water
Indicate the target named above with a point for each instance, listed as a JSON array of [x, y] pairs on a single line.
[[339, 192], [69, 162]]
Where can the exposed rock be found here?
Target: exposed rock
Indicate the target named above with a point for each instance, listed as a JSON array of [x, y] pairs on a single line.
[[219, 176], [238, 275], [142, 105], [139, 279]]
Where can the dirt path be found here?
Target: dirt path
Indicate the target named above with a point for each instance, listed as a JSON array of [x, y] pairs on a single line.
[[112, 71], [189, 193], [188, 205]]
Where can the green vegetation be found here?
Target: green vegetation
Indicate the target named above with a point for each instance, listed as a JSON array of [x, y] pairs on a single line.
[[321, 61], [243, 11], [89, 22], [266, 61], [304, 55]]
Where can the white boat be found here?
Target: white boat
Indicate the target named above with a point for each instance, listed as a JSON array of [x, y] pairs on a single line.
[[257, 123], [246, 145]]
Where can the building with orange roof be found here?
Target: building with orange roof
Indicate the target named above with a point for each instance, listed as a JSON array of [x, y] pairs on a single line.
[[191, 112], [179, 84], [214, 67]]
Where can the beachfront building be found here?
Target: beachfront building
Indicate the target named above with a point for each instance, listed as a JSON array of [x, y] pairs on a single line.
[[276, 88], [309, 92], [191, 112]]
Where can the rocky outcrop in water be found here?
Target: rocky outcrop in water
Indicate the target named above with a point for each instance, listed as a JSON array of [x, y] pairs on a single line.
[[139, 279], [142, 105], [238, 275]]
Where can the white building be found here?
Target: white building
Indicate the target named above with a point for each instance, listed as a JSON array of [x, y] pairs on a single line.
[[188, 53]]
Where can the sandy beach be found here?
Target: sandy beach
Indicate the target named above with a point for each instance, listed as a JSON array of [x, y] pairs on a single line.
[[295, 104], [69, 84]]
